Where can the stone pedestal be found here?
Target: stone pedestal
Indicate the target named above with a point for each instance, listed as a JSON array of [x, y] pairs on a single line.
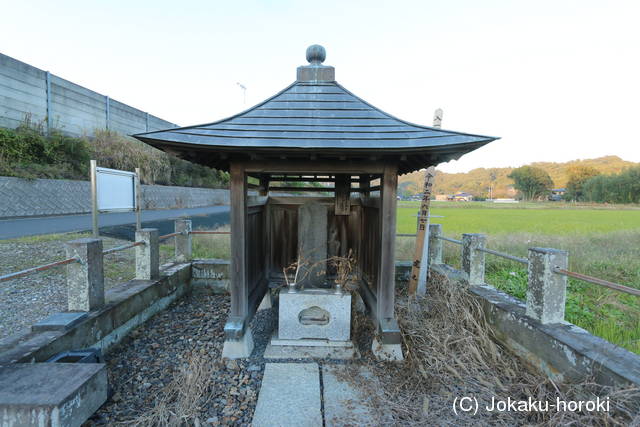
[[313, 315]]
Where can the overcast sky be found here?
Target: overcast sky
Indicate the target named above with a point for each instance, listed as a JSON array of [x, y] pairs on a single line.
[[557, 80]]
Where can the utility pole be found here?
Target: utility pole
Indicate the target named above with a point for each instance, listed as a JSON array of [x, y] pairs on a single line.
[[419, 270]]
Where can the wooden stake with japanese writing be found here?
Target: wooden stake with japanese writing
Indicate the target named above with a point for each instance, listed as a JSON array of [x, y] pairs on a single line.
[[421, 253]]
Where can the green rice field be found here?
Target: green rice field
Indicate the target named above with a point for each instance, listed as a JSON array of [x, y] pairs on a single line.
[[602, 241]]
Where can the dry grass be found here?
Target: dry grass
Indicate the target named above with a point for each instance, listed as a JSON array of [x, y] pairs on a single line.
[[450, 352], [183, 398]]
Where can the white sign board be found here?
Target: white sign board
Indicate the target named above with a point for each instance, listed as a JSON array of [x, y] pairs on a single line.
[[116, 190]]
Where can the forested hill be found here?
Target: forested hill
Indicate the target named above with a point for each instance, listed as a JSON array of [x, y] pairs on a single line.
[[477, 181]]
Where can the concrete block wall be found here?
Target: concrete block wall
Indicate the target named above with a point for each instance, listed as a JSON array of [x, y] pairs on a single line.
[[43, 197], [23, 89], [73, 109]]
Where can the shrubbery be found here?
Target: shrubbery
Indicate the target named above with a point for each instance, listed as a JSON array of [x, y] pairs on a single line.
[[616, 188], [26, 152]]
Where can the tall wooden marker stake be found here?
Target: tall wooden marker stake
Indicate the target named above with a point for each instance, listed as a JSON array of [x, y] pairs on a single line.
[[418, 279]]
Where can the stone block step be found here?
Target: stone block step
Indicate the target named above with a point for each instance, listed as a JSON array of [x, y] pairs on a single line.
[[51, 394], [289, 396]]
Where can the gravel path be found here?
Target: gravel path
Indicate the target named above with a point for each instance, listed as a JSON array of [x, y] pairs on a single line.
[[28, 299], [142, 366]]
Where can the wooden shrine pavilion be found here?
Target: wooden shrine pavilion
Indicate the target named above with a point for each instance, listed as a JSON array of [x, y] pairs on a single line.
[[313, 131]]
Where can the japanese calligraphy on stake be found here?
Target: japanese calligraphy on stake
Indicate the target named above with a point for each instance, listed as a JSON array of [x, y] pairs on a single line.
[[418, 279]]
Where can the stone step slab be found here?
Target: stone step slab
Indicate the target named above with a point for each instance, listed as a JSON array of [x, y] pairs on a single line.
[[289, 396], [348, 396]]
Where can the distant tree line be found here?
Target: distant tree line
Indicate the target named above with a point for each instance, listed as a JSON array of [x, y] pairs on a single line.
[[585, 184], [623, 187]]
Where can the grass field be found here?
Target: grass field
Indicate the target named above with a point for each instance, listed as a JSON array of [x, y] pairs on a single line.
[[602, 241]]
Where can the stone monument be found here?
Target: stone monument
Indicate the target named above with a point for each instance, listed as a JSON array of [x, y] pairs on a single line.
[[313, 311]]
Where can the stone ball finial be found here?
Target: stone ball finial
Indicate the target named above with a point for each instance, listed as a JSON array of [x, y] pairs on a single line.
[[316, 54]]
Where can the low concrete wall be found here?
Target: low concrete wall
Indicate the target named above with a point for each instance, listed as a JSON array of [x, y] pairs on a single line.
[[44, 197], [210, 276], [561, 350], [127, 306]]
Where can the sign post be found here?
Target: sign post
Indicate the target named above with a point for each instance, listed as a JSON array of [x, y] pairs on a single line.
[[138, 192], [418, 279], [94, 198], [113, 190]]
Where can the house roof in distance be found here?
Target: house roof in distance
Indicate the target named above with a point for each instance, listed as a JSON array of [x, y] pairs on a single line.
[[315, 117]]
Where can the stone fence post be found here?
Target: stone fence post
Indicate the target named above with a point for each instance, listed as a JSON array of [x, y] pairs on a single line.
[[472, 259], [183, 241], [148, 254], [547, 290], [435, 244], [85, 279]]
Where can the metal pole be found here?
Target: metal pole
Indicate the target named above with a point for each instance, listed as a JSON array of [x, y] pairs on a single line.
[[49, 110], [94, 197], [138, 192], [107, 112]]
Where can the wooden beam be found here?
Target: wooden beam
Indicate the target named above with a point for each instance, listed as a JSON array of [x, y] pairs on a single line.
[[239, 280], [300, 179], [343, 195], [317, 167], [385, 294], [312, 189]]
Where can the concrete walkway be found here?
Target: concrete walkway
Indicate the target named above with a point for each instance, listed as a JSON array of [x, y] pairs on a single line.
[[12, 228], [307, 395]]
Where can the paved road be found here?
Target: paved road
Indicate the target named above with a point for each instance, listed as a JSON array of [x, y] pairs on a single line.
[[207, 216]]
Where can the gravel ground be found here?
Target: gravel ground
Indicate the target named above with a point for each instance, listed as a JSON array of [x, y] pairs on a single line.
[[28, 299], [143, 365]]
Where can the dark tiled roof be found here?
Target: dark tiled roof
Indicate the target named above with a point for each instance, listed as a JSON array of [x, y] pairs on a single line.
[[320, 118]]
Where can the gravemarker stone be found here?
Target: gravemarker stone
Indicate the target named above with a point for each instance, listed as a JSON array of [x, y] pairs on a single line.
[[311, 312], [312, 245]]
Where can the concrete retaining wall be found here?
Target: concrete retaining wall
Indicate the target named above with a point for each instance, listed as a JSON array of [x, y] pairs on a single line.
[[43, 197], [127, 306], [63, 105], [561, 350]]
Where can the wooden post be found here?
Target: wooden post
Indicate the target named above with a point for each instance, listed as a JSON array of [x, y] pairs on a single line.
[[138, 190], [343, 194], [418, 279], [386, 269], [423, 219], [93, 165], [365, 182], [264, 185], [239, 280]]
